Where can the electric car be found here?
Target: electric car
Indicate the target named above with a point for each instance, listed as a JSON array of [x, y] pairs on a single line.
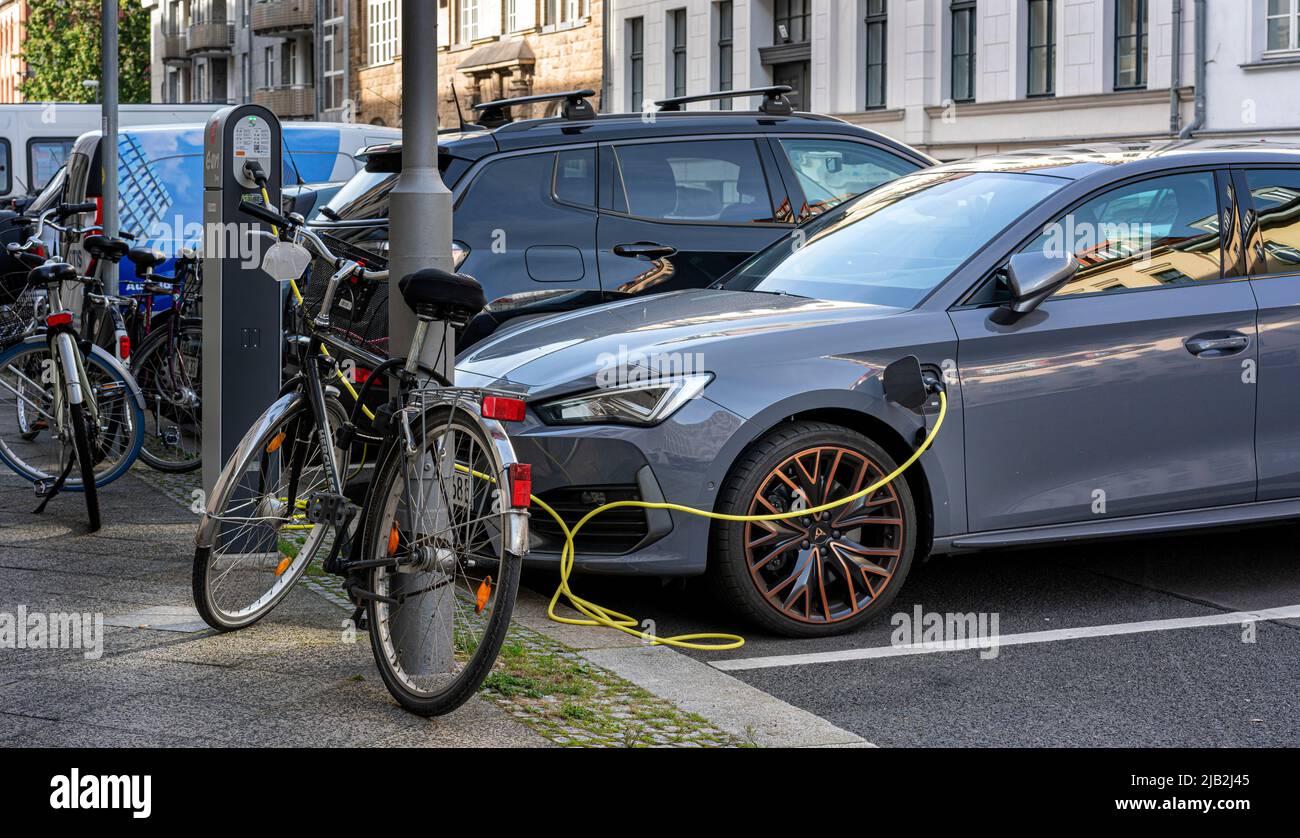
[[1117, 329]]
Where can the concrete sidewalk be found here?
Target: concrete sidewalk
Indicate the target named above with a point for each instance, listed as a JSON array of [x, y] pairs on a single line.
[[165, 679]]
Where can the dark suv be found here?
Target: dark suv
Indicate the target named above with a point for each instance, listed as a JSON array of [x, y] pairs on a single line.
[[563, 212]]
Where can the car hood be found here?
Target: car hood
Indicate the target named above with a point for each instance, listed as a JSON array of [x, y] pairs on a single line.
[[691, 330]]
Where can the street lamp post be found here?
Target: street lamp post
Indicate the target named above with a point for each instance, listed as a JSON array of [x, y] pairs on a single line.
[[420, 237], [108, 111]]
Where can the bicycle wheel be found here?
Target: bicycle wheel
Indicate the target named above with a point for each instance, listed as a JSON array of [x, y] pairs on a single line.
[[36, 443], [254, 541], [85, 461], [168, 368], [437, 514]]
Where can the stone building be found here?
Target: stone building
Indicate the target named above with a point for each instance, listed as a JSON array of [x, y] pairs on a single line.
[[487, 49], [961, 77], [13, 25]]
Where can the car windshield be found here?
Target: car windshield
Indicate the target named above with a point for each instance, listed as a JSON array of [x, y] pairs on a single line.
[[364, 196], [897, 243]]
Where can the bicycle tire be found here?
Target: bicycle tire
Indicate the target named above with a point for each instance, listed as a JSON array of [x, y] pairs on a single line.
[[155, 343], [380, 512], [85, 463]]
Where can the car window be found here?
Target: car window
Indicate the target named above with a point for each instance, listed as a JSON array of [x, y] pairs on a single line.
[[6, 168], [161, 200], [832, 171], [1277, 201], [698, 180], [896, 244], [44, 158], [1148, 234], [575, 176], [52, 193], [522, 179]]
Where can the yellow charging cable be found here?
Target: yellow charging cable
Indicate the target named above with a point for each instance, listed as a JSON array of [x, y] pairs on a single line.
[[600, 616]]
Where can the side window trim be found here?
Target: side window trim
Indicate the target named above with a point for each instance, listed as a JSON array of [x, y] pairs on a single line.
[[555, 179], [966, 300], [758, 152]]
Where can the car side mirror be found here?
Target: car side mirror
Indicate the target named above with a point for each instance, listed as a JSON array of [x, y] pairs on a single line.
[[1033, 277]]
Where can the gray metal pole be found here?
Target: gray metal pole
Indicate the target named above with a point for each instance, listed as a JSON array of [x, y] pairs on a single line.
[[419, 237], [108, 119]]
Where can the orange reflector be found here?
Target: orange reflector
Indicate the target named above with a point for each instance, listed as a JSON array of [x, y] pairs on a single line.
[[393, 540], [283, 566], [484, 593], [275, 443]]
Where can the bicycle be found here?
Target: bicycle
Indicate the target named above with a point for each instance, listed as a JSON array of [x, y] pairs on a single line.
[[65, 404], [431, 557]]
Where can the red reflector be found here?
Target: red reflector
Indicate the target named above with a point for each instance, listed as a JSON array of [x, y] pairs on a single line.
[[503, 409], [59, 318], [124, 346], [521, 485], [361, 374]]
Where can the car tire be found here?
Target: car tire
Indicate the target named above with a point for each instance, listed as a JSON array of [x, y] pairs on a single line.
[[806, 577]]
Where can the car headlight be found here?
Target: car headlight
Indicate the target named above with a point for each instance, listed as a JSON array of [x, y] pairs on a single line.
[[641, 404]]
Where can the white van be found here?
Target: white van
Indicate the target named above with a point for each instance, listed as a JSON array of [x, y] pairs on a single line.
[[36, 138]]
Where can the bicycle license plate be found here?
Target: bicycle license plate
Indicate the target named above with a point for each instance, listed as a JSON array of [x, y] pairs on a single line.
[[462, 489]]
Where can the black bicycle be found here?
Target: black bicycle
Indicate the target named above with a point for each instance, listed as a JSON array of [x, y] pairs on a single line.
[[432, 552]]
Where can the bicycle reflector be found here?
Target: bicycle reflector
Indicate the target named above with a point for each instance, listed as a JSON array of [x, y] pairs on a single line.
[[59, 318], [521, 485], [124, 346], [502, 409]]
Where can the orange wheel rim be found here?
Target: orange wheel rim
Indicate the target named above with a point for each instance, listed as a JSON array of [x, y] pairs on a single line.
[[824, 568]]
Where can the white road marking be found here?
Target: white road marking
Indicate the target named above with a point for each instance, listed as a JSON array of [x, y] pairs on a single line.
[[1236, 617]]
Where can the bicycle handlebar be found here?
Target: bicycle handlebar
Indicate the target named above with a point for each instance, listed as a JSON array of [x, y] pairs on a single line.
[[261, 213], [63, 211], [295, 229]]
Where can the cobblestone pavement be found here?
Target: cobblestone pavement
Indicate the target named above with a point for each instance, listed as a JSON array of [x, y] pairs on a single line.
[[299, 677]]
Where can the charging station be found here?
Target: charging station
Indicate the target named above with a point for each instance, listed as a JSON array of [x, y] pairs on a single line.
[[242, 305]]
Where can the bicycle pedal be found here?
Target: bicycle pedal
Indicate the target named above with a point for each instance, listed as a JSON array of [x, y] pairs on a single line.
[[42, 488], [335, 510]]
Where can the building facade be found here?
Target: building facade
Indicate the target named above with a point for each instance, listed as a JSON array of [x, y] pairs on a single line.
[[13, 28], [487, 49], [960, 77], [289, 55]]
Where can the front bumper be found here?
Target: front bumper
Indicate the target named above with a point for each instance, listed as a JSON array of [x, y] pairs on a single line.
[[581, 467]]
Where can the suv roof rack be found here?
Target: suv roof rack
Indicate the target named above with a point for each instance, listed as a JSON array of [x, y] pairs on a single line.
[[774, 101], [493, 114]]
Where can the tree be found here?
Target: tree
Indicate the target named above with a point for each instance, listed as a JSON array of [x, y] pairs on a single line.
[[62, 49]]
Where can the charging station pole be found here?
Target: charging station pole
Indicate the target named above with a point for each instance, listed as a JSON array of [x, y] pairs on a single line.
[[420, 237], [242, 305]]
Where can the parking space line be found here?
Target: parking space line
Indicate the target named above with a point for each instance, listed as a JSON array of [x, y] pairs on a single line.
[[1050, 636]]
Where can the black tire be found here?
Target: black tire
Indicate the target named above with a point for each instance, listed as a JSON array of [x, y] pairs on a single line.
[[746, 573], [469, 678], [159, 342], [85, 462]]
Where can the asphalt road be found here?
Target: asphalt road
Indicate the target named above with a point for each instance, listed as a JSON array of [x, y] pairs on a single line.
[[1213, 685]]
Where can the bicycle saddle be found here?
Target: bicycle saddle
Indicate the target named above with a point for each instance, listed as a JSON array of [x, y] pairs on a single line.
[[443, 295], [52, 273], [103, 247], [146, 258]]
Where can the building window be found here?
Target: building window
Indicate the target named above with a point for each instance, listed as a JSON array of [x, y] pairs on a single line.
[[1130, 44], [792, 21], [876, 58], [268, 67], [963, 50], [334, 47], [636, 63], [725, 68], [512, 15], [677, 21], [381, 30], [468, 21], [1283, 20], [1042, 47], [564, 11]]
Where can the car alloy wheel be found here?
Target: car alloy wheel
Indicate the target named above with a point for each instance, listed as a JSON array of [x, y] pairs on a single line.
[[823, 573]]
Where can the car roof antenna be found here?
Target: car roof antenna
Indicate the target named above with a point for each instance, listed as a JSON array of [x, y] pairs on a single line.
[[455, 97]]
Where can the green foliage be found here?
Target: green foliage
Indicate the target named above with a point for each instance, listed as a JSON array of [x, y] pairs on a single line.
[[62, 49]]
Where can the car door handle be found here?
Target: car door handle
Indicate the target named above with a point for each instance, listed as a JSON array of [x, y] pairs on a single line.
[[644, 250], [1217, 345]]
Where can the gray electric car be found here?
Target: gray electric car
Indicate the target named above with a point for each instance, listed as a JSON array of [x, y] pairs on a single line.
[[1117, 329]]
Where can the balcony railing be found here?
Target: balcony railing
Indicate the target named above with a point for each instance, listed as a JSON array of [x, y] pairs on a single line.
[[291, 101], [173, 45], [283, 16], [210, 36]]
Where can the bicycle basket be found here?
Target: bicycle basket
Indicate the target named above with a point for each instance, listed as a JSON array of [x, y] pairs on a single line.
[[359, 315], [18, 317]]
